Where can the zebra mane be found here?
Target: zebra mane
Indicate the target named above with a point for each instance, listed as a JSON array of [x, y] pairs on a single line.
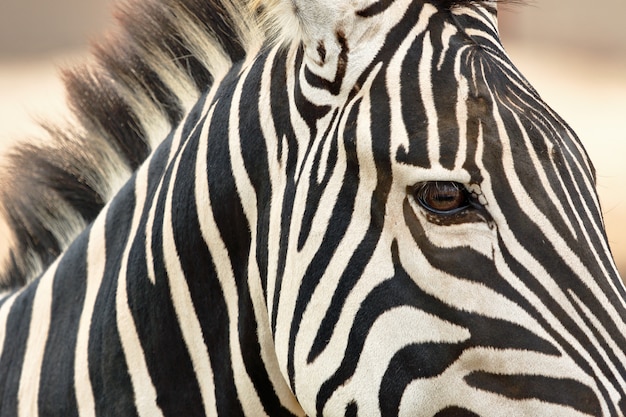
[[138, 85]]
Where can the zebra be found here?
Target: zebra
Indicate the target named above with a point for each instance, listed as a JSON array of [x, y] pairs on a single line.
[[307, 207]]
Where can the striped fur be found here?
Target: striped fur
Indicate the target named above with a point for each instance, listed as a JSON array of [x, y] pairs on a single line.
[[274, 255]]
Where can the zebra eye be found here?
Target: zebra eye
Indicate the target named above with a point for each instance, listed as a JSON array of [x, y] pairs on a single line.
[[442, 197]]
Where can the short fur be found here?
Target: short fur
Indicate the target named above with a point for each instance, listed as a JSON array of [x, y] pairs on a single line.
[[140, 84]]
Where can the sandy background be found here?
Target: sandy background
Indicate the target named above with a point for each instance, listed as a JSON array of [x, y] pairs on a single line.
[[575, 55]]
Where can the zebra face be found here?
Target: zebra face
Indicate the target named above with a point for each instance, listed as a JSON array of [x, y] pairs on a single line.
[[446, 248]]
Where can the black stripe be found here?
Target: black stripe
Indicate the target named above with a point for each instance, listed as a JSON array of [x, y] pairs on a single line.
[[56, 388], [309, 111], [446, 89], [256, 161], [455, 412], [108, 369], [566, 392], [317, 187], [14, 349], [430, 359], [334, 86], [377, 8], [414, 115], [288, 159]]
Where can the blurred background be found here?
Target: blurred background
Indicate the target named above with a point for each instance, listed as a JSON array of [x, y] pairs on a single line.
[[574, 54]]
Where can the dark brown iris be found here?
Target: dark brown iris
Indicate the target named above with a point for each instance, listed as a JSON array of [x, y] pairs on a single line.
[[442, 197]]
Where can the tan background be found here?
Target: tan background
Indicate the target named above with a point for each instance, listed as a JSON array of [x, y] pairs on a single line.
[[574, 54]]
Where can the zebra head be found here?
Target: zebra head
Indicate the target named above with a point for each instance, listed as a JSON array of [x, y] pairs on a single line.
[[359, 202], [445, 251]]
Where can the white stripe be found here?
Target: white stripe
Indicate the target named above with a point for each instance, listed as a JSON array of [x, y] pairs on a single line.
[[428, 100], [4, 315], [175, 142], [461, 110], [399, 134], [148, 242], [448, 31], [277, 177], [297, 122], [96, 261], [181, 296], [145, 392], [28, 392]]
